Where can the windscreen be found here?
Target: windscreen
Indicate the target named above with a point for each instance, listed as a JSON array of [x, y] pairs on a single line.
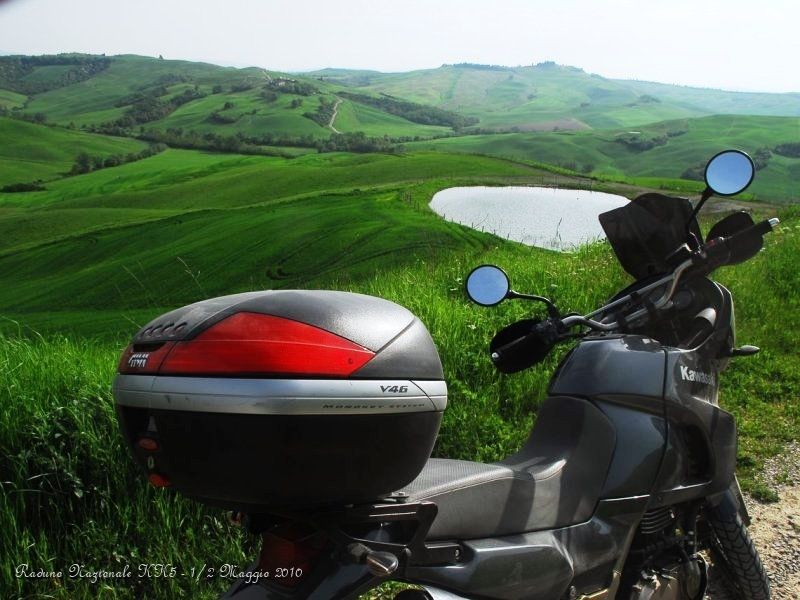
[[646, 231]]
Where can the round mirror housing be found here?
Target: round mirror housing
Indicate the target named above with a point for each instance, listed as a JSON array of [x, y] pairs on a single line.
[[729, 172], [487, 285]]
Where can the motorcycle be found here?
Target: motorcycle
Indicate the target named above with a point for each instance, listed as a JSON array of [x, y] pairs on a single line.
[[626, 482]]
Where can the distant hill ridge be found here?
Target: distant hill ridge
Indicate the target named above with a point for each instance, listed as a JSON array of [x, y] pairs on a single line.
[[541, 96], [620, 128]]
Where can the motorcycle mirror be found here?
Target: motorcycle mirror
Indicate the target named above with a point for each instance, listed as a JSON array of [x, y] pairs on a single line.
[[487, 285], [729, 172]]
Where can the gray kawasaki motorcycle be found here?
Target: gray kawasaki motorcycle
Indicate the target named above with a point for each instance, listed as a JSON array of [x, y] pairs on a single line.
[[312, 415]]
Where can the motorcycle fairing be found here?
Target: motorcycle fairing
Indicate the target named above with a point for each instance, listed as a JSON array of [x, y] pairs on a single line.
[[644, 232]]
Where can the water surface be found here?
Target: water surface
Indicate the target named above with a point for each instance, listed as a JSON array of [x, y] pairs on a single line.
[[550, 218]]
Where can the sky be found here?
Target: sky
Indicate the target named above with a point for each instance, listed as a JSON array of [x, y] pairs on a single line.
[[727, 44]]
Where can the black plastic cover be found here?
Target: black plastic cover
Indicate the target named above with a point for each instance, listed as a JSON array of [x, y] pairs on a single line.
[[644, 232]]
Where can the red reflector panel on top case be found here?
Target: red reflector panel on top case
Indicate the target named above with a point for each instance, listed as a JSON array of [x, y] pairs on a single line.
[[251, 343]]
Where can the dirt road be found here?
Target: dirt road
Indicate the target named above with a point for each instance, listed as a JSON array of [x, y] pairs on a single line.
[[776, 527], [333, 116]]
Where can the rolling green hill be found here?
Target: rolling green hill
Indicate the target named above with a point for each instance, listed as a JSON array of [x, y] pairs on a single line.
[[548, 96], [87, 261], [676, 146], [171, 94], [29, 152], [9, 99], [133, 92], [183, 225]]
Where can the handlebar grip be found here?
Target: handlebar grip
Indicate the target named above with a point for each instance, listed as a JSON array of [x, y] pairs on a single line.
[[719, 251], [523, 344], [499, 353], [762, 228]]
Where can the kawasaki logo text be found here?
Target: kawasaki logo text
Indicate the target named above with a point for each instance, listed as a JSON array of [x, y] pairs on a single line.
[[698, 376]]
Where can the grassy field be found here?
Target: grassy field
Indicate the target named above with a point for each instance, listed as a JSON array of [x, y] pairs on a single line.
[[58, 429], [9, 99], [202, 224], [540, 97], [86, 262], [688, 143], [106, 96], [94, 100], [353, 116], [549, 95], [30, 152]]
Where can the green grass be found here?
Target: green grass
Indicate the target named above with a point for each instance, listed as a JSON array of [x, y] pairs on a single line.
[[93, 100], [64, 502], [21, 228], [9, 99], [277, 117], [71, 494], [183, 258], [30, 152], [183, 179], [525, 98], [600, 153], [85, 263], [353, 116], [548, 96], [200, 224]]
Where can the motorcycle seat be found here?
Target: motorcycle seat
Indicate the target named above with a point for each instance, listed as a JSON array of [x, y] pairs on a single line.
[[554, 481]]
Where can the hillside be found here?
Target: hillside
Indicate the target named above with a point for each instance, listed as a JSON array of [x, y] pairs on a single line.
[[655, 152], [183, 225], [547, 113], [548, 96], [134, 93], [31, 152], [88, 260]]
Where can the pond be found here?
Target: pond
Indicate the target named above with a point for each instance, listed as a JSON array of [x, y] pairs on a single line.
[[557, 219]]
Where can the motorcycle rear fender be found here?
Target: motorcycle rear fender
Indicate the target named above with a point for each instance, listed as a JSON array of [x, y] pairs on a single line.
[[733, 495]]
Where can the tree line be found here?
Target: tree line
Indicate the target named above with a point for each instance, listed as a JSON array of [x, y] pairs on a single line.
[[411, 111], [84, 163], [247, 144], [148, 106], [324, 113], [14, 68]]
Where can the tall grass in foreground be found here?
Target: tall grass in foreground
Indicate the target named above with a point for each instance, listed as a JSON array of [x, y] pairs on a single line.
[[71, 495]]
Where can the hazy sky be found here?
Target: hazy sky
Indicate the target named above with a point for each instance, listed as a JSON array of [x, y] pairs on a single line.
[[729, 44]]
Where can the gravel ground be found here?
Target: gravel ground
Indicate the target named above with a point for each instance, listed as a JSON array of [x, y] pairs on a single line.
[[775, 527]]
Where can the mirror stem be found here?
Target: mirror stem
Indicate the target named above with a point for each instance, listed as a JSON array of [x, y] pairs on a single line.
[[551, 308], [707, 193]]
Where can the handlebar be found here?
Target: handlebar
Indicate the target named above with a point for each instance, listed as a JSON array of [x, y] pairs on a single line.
[[530, 344], [719, 251], [715, 253]]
